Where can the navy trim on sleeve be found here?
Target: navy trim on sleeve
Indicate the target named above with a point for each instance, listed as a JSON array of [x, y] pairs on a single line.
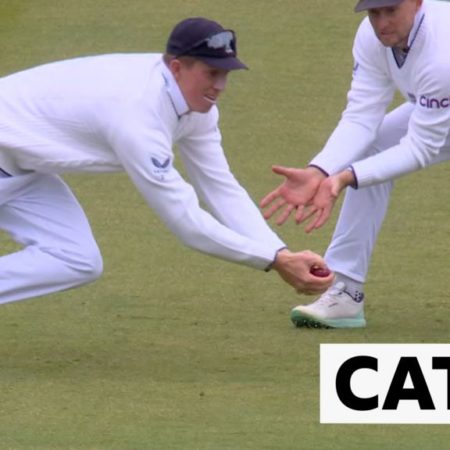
[[355, 186], [319, 168], [269, 267]]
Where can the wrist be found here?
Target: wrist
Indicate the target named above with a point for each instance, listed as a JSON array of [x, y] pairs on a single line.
[[317, 171], [347, 178], [355, 178], [280, 256]]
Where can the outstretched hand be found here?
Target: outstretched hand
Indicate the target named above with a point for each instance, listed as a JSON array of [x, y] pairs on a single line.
[[323, 202], [296, 192]]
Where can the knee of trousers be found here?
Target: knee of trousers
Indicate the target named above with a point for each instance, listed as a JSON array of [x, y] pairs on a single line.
[[80, 266], [91, 266]]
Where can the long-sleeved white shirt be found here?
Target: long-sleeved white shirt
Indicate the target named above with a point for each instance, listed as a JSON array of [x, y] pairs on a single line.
[[423, 79], [120, 112]]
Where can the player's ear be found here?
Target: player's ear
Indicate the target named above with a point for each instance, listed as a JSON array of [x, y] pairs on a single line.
[[175, 66]]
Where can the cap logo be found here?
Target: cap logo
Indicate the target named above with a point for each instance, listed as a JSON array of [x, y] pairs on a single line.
[[221, 40], [206, 41]]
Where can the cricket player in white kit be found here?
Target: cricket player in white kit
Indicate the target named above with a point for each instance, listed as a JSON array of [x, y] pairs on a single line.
[[402, 45], [124, 112]]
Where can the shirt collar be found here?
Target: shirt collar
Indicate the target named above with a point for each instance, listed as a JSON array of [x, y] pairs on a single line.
[[417, 22], [174, 92]]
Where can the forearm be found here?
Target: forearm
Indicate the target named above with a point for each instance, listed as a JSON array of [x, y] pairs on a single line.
[[203, 233], [346, 144], [388, 165], [220, 191]]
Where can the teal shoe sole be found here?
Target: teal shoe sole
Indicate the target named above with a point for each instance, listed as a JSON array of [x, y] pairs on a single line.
[[303, 320]]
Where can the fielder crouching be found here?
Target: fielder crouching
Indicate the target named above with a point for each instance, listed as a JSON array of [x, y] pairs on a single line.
[[124, 112]]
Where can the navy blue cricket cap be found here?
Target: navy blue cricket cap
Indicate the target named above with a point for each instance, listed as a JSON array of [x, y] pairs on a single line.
[[206, 40], [370, 4]]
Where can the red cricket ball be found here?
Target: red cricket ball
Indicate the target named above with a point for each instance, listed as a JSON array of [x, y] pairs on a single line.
[[320, 272]]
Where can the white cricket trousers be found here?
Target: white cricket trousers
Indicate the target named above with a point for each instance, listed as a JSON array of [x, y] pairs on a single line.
[[58, 249], [363, 210]]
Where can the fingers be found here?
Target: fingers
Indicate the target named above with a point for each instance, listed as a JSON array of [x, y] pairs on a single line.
[[277, 204], [317, 286], [303, 213], [269, 198], [281, 170], [321, 218], [299, 214], [269, 212], [284, 216]]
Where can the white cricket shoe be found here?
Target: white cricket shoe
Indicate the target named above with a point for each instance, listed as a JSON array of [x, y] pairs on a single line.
[[335, 308]]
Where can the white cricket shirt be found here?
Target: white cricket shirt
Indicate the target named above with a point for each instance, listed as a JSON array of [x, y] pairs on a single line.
[[125, 112], [423, 79]]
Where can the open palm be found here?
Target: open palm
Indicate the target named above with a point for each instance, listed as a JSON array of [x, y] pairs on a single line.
[[296, 192]]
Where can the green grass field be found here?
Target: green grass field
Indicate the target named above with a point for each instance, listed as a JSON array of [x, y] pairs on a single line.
[[173, 350]]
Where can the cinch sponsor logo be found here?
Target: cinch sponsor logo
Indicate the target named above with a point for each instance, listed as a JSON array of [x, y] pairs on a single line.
[[431, 103], [385, 383]]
